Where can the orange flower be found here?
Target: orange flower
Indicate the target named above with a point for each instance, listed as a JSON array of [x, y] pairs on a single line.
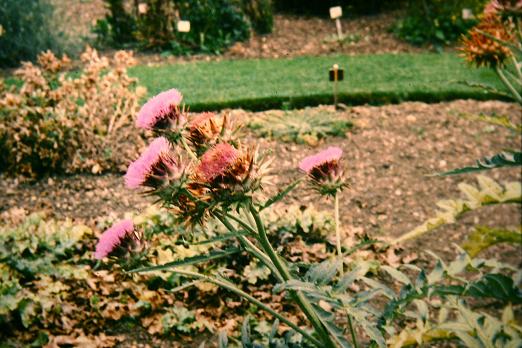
[[481, 50]]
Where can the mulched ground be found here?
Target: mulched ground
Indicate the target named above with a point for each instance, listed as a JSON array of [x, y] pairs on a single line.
[[387, 158]]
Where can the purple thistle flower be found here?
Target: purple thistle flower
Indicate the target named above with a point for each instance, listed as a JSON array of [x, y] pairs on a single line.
[[330, 155], [324, 171], [112, 238], [160, 109], [216, 161], [154, 167]]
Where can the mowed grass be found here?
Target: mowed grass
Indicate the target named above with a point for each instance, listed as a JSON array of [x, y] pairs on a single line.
[[259, 84]]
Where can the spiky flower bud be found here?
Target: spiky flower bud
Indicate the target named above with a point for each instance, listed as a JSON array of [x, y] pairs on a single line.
[[481, 49], [156, 167], [162, 112], [324, 171]]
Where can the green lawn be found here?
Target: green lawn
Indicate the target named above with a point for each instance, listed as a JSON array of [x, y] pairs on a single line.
[[272, 83]]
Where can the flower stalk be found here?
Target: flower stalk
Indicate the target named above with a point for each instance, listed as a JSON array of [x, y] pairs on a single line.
[[298, 296], [338, 234]]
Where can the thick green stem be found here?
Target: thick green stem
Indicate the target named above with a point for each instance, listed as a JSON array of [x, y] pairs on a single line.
[[338, 234], [232, 288], [188, 149], [508, 84], [341, 261], [250, 247], [298, 296], [242, 223], [518, 68], [352, 331]]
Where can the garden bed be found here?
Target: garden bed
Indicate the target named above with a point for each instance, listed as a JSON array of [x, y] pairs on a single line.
[[389, 154]]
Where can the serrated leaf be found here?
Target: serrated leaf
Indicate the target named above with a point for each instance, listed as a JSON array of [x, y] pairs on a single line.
[[459, 265], [421, 280], [245, 333], [223, 339], [365, 296], [503, 159], [483, 237], [189, 261], [327, 319], [359, 271], [374, 334], [422, 309], [397, 275], [273, 331], [497, 286], [377, 285], [468, 340], [323, 272], [298, 285], [437, 273]]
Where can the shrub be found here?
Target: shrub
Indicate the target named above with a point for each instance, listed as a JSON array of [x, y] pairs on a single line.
[[321, 7], [436, 22], [260, 13], [117, 28], [27, 29], [215, 24], [60, 121]]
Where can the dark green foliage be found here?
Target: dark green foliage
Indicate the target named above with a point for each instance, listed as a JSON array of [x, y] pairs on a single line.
[[260, 13], [117, 29], [436, 22], [27, 29], [503, 159], [215, 25], [496, 286], [320, 7]]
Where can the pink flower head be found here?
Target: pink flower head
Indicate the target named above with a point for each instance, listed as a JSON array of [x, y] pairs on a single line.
[[216, 161], [500, 7], [154, 167], [201, 119], [112, 238], [330, 155], [160, 109], [324, 171]]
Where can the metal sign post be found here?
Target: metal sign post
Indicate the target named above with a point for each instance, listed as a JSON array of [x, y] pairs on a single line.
[[336, 74]]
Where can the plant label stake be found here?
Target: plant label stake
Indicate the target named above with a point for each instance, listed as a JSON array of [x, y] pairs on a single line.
[[142, 8], [183, 26], [336, 75], [336, 13], [467, 14]]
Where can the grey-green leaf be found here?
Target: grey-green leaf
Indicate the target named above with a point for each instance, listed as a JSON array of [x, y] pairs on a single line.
[[503, 159]]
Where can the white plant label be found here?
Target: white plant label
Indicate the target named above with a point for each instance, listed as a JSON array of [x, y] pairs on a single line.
[[142, 8], [336, 12], [467, 14], [183, 26]]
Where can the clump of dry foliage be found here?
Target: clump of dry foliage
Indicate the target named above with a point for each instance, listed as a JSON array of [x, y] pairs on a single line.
[[65, 120]]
